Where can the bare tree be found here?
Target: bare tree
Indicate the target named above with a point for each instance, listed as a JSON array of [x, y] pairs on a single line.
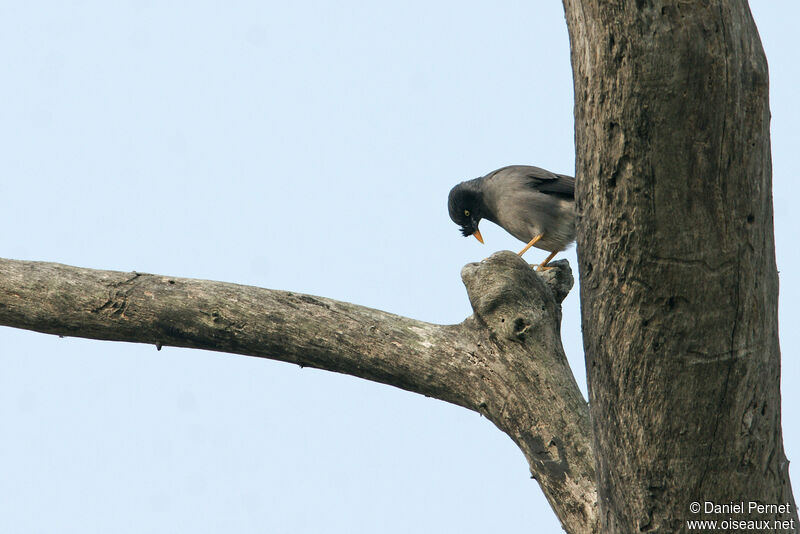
[[678, 290]]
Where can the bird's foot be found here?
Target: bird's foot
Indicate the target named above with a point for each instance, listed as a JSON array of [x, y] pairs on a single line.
[[543, 266]]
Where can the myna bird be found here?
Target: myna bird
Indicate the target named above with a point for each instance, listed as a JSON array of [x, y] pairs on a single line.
[[534, 205]]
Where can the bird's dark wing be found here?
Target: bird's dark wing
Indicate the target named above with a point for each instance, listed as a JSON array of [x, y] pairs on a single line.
[[562, 186], [559, 185], [538, 179]]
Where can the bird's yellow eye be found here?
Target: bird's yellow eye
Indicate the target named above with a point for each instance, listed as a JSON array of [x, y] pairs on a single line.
[[466, 212]]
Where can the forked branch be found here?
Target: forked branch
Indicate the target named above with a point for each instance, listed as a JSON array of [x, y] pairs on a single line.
[[505, 361]]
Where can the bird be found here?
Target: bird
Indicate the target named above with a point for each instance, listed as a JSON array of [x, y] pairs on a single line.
[[534, 205]]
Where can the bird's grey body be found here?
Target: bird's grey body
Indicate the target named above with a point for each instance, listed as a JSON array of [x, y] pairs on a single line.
[[526, 201]]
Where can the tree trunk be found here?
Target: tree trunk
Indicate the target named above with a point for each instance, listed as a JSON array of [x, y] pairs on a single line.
[[679, 286]]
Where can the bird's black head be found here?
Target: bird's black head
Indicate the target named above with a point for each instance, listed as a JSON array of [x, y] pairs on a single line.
[[466, 207]]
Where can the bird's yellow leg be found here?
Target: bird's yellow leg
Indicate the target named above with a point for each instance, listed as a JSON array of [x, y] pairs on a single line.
[[530, 244], [550, 257]]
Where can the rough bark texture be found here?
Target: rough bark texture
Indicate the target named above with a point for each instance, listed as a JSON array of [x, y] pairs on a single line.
[[505, 361], [679, 286]]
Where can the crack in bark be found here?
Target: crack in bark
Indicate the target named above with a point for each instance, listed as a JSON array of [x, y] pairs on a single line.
[[117, 300], [693, 263], [731, 362]]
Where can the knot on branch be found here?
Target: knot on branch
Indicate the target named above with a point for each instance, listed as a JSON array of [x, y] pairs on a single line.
[[558, 279], [511, 297]]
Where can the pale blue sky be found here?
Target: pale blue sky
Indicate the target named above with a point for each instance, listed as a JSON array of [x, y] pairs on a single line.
[[306, 146]]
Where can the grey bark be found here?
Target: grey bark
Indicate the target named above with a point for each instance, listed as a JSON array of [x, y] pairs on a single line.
[[679, 285], [505, 361]]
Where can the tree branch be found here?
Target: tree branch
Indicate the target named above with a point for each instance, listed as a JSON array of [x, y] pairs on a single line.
[[505, 361]]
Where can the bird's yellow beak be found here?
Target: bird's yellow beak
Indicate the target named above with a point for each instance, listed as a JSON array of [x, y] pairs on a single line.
[[478, 236]]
